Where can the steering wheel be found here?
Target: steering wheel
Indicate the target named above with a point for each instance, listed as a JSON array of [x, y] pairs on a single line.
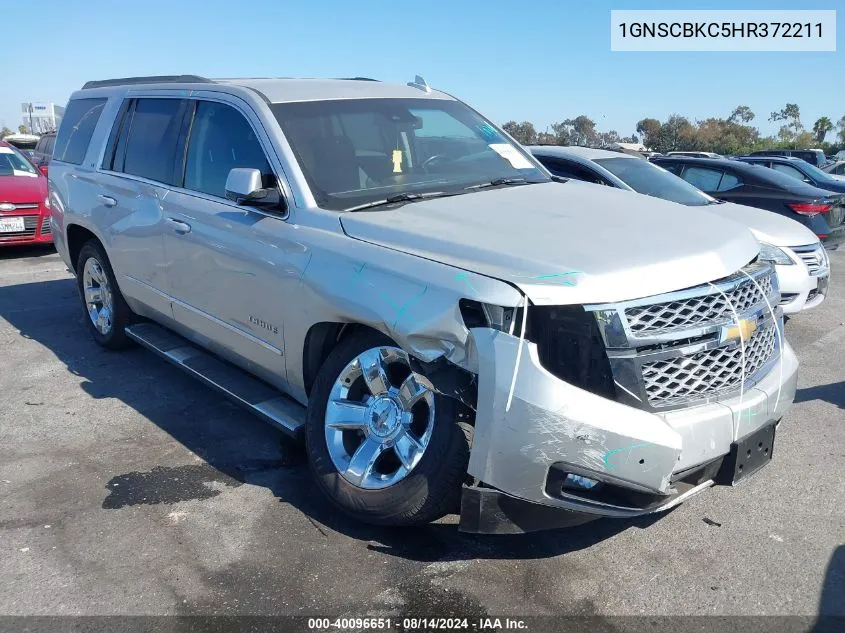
[[428, 162]]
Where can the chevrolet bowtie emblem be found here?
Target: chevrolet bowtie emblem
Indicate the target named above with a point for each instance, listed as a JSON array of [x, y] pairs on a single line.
[[742, 331]]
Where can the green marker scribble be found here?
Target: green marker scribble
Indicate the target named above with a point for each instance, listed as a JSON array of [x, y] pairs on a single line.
[[465, 276], [608, 454], [357, 276]]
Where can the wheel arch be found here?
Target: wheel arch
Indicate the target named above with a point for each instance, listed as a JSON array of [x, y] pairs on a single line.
[[77, 236], [448, 379]]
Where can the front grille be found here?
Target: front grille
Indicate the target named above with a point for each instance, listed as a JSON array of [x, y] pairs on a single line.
[[45, 226], [25, 205], [682, 348], [30, 223], [707, 373], [697, 311], [813, 258]]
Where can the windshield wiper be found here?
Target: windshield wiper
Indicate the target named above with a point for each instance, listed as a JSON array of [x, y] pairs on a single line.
[[400, 198], [499, 182]]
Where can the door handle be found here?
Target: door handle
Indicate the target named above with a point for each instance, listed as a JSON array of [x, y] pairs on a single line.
[[179, 226], [107, 201]]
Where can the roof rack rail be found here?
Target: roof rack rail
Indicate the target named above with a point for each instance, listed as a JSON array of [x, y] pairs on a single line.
[[357, 79], [155, 79]]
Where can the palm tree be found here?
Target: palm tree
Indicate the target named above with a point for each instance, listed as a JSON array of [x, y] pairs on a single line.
[[821, 128]]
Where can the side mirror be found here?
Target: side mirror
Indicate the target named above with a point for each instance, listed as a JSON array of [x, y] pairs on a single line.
[[43, 169], [245, 186]]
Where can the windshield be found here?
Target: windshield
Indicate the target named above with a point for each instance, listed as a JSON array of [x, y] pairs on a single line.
[[13, 163], [644, 177], [357, 151]]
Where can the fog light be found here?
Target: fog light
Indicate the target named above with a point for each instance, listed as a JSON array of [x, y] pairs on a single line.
[[579, 482]]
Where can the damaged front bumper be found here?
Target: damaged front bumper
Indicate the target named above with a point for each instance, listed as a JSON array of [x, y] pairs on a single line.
[[645, 462]]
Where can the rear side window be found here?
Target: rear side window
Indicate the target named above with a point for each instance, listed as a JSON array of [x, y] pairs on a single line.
[[789, 171], [221, 140], [77, 128], [151, 143], [703, 178]]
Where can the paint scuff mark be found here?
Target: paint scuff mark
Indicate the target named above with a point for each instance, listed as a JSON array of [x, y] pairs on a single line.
[[614, 451]]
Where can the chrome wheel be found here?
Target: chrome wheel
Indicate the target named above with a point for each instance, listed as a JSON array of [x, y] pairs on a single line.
[[379, 418], [98, 295]]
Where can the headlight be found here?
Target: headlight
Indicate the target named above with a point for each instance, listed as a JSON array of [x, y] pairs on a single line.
[[775, 255], [47, 202]]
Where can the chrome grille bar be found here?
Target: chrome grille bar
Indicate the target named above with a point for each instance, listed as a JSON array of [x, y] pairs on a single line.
[[686, 347]]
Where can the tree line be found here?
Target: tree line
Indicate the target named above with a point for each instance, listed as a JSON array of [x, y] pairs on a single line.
[[730, 136]]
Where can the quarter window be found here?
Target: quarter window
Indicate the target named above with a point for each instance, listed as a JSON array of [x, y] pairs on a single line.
[[151, 144], [729, 181], [221, 140], [76, 129]]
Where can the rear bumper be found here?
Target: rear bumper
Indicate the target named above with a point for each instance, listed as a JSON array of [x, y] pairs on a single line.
[[552, 427]]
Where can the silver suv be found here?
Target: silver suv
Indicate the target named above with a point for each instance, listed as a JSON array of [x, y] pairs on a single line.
[[381, 269]]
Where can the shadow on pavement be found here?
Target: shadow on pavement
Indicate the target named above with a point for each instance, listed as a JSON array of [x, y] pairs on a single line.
[[236, 447], [20, 252], [833, 393], [831, 617]]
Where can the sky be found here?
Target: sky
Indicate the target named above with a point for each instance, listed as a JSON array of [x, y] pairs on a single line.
[[542, 61]]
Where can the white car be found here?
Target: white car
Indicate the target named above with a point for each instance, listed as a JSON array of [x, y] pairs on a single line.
[[801, 262], [837, 168]]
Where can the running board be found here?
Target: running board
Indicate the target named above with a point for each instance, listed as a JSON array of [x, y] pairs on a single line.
[[268, 403]]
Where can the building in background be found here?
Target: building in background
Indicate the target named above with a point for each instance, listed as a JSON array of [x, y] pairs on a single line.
[[41, 117]]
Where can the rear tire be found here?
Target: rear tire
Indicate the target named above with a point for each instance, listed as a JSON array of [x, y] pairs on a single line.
[[421, 453], [106, 313]]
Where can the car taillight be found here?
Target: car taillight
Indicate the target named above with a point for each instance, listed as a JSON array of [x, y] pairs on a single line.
[[809, 208]]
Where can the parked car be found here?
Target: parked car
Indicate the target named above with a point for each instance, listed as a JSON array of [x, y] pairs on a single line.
[[382, 269], [24, 202], [802, 265], [836, 169], [695, 154], [800, 170], [44, 151], [813, 156], [819, 210]]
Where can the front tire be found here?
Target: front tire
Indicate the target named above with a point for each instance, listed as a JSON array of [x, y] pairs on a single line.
[[106, 312], [382, 444]]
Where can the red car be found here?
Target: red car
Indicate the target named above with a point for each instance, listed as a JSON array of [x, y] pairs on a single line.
[[24, 201]]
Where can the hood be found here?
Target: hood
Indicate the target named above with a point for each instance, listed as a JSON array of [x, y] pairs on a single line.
[[767, 226], [26, 188], [563, 244]]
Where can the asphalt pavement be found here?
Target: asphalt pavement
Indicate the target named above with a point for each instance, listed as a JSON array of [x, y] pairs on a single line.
[[126, 487]]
